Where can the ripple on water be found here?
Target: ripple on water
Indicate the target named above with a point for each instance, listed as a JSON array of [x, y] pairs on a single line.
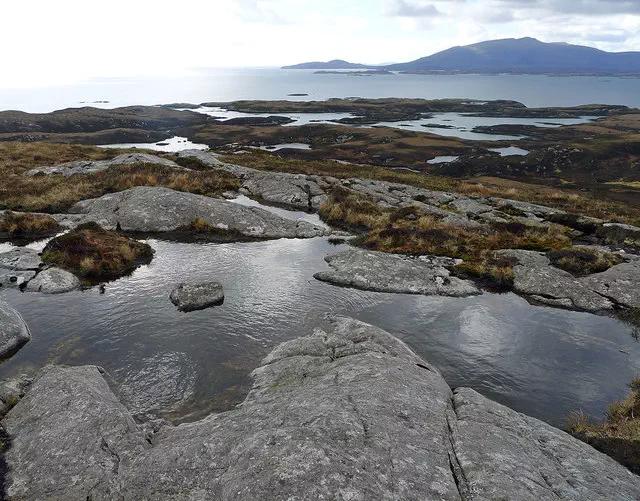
[[540, 361]]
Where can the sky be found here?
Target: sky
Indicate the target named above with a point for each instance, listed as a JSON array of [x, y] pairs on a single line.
[[63, 41]]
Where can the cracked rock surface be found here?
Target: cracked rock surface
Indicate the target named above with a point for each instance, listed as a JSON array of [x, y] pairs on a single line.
[[159, 210], [192, 297], [534, 276], [93, 166], [348, 414], [14, 332], [383, 272]]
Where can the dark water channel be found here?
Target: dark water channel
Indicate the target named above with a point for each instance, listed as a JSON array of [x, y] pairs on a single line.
[[541, 361]]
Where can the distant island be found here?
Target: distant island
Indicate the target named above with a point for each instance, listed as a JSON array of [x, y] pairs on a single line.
[[511, 55]]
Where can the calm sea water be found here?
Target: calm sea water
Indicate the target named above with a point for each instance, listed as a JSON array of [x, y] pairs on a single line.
[[270, 83]]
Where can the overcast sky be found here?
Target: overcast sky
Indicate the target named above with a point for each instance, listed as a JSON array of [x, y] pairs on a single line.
[[60, 41]]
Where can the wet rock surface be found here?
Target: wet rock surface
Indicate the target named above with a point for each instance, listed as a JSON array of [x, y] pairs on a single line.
[[14, 332], [534, 276], [53, 281], [382, 272], [93, 166], [20, 259], [162, 210], [11, 391], [192, 297], [351, 413]]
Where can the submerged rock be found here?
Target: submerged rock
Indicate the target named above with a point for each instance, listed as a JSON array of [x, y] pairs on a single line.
[[162, 210], [14, 332], [382, 272], [347, 414], [93, 166], [192, 297], [53, 281]]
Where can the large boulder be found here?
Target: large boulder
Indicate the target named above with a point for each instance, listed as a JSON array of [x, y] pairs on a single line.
[[14, 332], [348, 414], [192, 297], [161, 210], [53, 281], [382, 272]]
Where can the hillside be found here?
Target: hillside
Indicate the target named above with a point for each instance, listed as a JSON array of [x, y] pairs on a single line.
[[522, 55]]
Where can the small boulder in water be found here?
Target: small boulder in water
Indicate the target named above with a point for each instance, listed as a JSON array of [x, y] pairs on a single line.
[[192, 297]]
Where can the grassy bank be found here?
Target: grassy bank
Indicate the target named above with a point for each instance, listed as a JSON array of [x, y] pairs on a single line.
[[619, 435], [570, 200], [57, 193]]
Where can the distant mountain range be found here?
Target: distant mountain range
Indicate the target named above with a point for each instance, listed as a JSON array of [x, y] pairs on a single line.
[[511, 55]]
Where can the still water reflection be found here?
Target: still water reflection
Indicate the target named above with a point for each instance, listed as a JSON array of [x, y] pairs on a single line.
[[540, 361]]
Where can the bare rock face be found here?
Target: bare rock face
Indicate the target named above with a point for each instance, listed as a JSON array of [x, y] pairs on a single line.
[[534, 276], [20, 259], [161, 210], [192, 297], [347, 414], [93, 166], [14, 332], [298, 191], [53, 281], [382, 272]]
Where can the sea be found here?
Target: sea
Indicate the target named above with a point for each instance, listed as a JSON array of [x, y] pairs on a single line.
[[231, 84]]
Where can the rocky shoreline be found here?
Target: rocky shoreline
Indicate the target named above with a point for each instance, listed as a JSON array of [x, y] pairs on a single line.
[[350, 413]]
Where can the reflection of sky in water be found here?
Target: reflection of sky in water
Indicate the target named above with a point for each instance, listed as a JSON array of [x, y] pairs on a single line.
[[462, 124], [510, 151], [541, 361], [172, 144]]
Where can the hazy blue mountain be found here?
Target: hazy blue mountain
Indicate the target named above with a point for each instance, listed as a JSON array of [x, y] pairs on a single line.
[[336, 64], [511, 55]]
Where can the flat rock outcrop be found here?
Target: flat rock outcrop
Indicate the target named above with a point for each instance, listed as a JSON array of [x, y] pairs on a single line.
[[14, 332], [53, 281], [298, 191], [162, 210], [93, 166], [534, 276], [348, 414], [382, 272], [20, 259], [192, 297]]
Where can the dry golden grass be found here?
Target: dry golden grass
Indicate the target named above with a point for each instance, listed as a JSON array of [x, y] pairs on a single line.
[[25, 225], [92, 252], [57, 193], [570, 200], [619, 434], [409, 231]]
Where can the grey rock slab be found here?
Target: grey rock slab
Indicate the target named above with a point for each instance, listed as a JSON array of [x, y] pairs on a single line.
[[619, 233], [69, 433], [158, 210], [536, 277], [507, 455], [298, 191], [93, 166], [350, 413], [535, 209], [14, 332], [471, 206], [192, 297], [15, 279], [383, 272], [53, 281], [20, 259]]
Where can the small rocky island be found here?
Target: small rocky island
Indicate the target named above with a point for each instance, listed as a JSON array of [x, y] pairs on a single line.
[[346, 412]]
